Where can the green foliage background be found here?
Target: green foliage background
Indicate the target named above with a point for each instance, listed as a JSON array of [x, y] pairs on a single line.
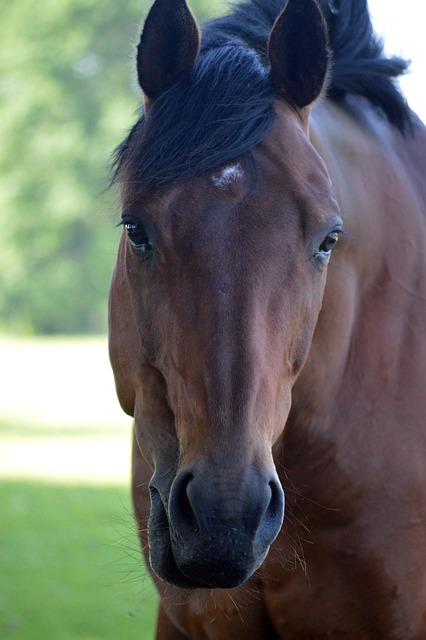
[[67, 96]]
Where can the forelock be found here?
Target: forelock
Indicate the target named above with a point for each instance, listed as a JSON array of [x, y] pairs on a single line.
[[220, 110]]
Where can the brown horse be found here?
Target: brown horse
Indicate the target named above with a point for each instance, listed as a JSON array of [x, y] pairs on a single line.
[[254, 363]]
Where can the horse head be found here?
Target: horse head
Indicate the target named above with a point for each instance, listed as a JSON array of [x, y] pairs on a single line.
[[216, 293]]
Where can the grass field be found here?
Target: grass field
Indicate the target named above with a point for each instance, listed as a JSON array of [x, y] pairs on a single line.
[[70, 567]]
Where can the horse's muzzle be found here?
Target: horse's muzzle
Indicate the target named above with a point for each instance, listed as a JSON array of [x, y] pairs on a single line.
[[220, 526]]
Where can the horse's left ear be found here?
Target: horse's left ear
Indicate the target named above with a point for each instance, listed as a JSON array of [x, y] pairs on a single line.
[[298, 52], [168, 46]]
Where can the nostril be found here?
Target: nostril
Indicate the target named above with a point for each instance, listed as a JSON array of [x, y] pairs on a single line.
[[274, 514], [180, 508], [272, 519]]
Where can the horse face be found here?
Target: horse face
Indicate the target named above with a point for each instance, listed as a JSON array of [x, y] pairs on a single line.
[[218, 286], [214, 300]]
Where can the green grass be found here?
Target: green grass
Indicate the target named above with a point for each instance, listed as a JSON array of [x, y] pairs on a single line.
[[70, 566], [70, 563]]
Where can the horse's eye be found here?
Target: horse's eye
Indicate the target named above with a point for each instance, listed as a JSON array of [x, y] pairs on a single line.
[[323, 253], [137, 235], [329, 243]]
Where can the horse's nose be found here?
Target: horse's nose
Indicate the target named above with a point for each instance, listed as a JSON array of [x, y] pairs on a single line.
[[199, 501], [223, 524]]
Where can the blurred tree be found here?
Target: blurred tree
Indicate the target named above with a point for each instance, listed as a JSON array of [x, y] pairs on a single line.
[[67, 96]]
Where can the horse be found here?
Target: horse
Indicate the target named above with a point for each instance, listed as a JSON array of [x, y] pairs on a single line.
[[267, 325]]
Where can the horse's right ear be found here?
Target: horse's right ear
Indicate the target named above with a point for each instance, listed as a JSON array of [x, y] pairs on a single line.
[[168, 46]]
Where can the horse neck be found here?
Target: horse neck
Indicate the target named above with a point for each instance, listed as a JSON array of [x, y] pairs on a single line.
[[375, 294]]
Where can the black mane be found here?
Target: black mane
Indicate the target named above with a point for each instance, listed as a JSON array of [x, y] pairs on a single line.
[[223, 107]]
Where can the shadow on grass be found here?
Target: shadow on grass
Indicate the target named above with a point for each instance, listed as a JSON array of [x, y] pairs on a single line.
[[71, 566], [18, 427]]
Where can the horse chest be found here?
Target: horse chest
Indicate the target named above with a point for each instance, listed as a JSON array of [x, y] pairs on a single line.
[[315, 605]]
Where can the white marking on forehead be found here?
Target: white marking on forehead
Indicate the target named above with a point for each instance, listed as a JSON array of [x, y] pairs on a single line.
[[228, 175]]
